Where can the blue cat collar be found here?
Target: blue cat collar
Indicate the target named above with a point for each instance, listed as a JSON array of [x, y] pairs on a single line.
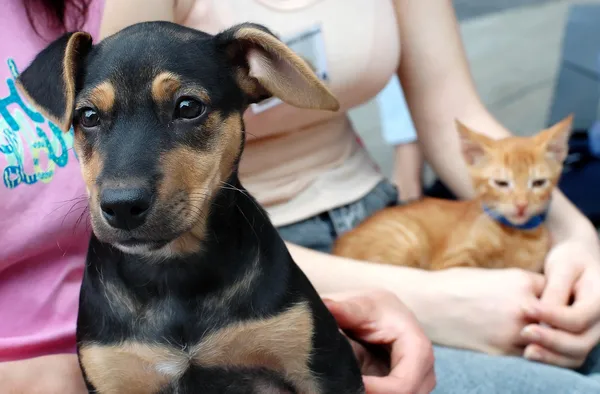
[[533, 223]]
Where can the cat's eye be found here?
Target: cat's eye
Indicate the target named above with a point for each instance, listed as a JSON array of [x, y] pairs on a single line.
[[501, 183], [89, 117], [539, 183], [188, 108]]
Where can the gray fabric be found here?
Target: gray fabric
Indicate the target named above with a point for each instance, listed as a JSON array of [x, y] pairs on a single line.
[[465, 372], [320, 231]]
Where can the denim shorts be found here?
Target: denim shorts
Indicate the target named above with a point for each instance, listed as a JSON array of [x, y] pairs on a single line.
[[319, 232]]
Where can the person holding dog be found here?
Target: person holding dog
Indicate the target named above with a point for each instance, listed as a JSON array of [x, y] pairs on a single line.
[[316, 181], [44, 236]]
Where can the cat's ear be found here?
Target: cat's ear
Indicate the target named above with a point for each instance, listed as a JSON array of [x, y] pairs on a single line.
[[474, 146], [556, 139]]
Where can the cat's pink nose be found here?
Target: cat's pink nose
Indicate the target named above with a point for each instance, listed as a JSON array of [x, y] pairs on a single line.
[[521, 208]]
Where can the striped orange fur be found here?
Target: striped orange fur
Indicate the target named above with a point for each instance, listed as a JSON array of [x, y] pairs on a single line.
[[513, 177]]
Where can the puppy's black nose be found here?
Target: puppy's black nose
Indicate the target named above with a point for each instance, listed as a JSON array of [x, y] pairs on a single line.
[[125, 208]]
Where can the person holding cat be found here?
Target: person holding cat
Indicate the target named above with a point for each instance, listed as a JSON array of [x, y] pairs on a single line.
[[502, 227], [316, 181]]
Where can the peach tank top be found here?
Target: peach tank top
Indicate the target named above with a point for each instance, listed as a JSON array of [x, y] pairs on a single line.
[[299, 163]]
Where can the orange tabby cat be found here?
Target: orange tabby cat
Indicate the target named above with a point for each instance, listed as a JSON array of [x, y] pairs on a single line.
[[502, 227]]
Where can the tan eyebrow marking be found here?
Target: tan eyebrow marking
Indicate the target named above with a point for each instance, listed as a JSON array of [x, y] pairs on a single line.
[[103, 96], [164, 86]]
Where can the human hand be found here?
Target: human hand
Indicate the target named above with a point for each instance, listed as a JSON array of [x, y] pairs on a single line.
[[41, 375], [481, 309], [379, 318], [569, 308]]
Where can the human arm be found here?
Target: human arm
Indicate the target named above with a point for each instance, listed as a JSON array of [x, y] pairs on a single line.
[[119, 14], [476, 309], [454, 306], [443, 307], [439, 89], [58, 373], [398, 130], [408, 169]]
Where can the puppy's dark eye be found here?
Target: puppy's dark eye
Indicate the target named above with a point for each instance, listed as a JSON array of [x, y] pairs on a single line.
[[188, 108], [88, 117]]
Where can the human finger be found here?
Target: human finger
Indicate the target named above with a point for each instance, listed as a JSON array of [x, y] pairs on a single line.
[[387, 385], [349, 313], [575, 318], [412, 359], [394, 385], [538, 283], [537, 353], [559, 284], [558, 341], [429, 383]]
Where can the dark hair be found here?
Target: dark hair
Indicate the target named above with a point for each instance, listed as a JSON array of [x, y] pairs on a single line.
[[59, 16]]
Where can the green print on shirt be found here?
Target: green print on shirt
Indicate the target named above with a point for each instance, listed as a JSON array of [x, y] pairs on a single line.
[[32, 154]]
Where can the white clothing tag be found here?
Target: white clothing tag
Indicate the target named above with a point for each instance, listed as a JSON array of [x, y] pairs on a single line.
[[310, 45]]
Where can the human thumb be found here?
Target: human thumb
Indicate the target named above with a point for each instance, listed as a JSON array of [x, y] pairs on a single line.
[[348, 313], [538, 282]]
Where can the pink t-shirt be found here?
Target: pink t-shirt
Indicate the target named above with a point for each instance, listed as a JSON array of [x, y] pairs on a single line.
[[44, 230]]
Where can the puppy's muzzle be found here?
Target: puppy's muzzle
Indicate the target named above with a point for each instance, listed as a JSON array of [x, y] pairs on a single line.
[[125, 208]]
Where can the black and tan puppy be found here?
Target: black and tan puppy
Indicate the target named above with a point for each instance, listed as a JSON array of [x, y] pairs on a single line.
[[188, 287]]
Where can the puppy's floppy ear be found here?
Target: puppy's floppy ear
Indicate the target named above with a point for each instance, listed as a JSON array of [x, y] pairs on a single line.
[[50, 79], [267, 67]]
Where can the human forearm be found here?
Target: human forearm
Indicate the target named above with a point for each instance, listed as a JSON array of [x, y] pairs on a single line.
[[566, 222], [119, 14], [333, 274], [58, 373], [408, 166], [456, 307], [439, 89]]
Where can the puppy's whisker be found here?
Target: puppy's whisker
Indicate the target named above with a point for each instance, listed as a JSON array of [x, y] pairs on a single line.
[[229, 186], [73, 208], [84, 214], [75, 201], [83, 197], [251, 224]]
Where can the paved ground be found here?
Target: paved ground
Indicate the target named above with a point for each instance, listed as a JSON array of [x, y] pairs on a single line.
[[514, 49]]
